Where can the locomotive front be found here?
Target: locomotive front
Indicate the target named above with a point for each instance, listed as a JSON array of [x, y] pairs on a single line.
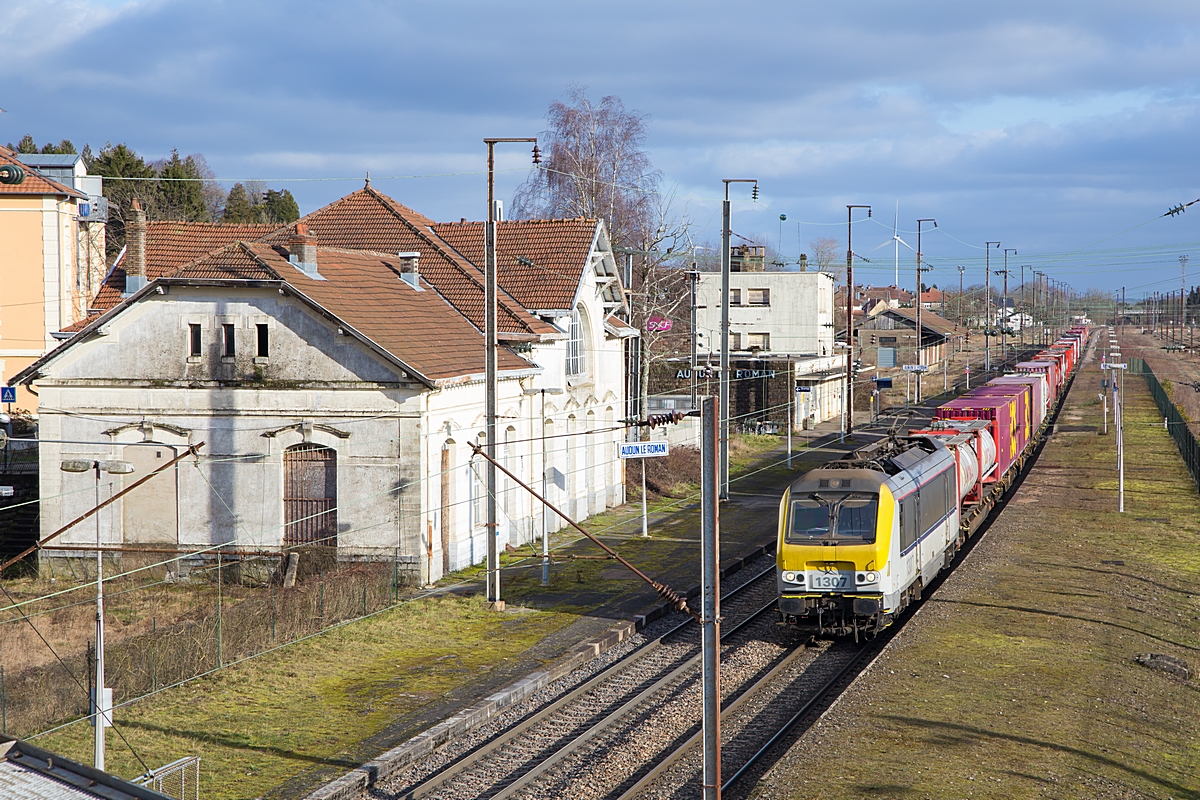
[[835, 534]]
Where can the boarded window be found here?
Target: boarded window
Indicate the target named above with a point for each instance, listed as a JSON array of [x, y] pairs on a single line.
[[735, 341], [762, 341], [887, 339], [758, 297], [310, 495], [735, 297]]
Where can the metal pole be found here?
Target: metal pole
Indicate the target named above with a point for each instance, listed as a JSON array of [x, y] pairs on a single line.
[[489, 239], [987, 296], [645, 512], [723, 468], [98, 704], [1121, 440], [695, 276], [491, 348], [848, 402], [545, 529], [791, 414], [710, 604]]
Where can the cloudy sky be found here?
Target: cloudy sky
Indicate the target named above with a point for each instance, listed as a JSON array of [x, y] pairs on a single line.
[[1063, 130]]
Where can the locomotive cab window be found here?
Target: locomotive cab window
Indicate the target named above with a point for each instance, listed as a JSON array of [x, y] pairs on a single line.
[[848, 518]]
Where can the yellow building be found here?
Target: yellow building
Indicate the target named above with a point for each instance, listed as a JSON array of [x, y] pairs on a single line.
[[45, 283]]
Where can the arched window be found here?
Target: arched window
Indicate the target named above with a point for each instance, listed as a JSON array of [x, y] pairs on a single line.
[[576, 344], [310, 495]]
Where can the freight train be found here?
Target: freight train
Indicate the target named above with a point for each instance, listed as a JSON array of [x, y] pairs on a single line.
[[860, 538]]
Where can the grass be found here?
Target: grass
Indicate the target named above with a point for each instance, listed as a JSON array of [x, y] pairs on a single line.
[[259, 723], [1018, 678]]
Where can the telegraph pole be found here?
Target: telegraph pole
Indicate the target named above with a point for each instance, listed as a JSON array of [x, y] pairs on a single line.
[[920, 360], [961, 270], [726, 232], [1007, 317], [491, 348], [987, 294], [1023, 266], [848, 402]]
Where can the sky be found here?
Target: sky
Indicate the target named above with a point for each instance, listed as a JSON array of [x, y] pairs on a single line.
[[1062, 130]]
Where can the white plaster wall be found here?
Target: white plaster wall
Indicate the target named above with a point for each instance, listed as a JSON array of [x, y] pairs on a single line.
[[799, 318]]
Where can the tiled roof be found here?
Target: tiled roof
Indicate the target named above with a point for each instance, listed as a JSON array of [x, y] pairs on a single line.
[[35, 182], [369, 220], [928, 320], [539, 262], [170, 245], [365, 290]]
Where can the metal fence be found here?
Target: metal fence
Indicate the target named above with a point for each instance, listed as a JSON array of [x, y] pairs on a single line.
[[179, 779], [1189, 449]]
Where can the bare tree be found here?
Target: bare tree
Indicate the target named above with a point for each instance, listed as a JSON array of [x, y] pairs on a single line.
[[594, 166], [828, 255], [661, 291]]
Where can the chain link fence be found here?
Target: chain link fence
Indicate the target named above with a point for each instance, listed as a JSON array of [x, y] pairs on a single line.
[[1180, 431]]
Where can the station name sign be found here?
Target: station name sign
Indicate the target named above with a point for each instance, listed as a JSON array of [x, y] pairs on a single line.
[[642, 449]]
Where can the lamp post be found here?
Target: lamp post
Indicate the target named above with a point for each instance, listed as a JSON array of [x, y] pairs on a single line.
[[101, 704], [848, 401], [491, 348], [987, 295], [1023, 266], [920, 360], [726, 232], [1041, 325]]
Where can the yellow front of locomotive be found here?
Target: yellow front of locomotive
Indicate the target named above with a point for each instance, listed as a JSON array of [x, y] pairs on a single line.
[[837, 529]]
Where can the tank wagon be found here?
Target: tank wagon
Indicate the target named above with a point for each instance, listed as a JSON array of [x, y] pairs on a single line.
[[859, 539]]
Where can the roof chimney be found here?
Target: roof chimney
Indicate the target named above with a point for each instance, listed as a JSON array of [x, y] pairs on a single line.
[[409, 271], [135, 249], [302, 251]]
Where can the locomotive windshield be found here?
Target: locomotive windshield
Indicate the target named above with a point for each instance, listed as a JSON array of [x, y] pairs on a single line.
[[834, 518]]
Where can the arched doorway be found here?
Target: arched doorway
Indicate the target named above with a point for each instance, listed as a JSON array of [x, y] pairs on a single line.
[[310, 495]]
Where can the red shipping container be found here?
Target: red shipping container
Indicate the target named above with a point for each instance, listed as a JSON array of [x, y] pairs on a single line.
[[1046, 368], [999, 412], [1039, 403], [1023, 415]]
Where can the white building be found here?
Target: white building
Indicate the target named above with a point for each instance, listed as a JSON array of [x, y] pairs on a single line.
[[337, 389], [780, 316]]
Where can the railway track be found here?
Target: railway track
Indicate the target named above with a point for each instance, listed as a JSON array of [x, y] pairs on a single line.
[[520, 755]]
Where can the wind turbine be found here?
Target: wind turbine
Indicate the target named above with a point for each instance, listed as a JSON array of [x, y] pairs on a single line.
[[896, 241]]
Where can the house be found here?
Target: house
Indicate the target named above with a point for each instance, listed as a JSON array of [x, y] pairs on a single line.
[[932, 299], [888, 337], [51, 263], [333, 369], [780, 323]]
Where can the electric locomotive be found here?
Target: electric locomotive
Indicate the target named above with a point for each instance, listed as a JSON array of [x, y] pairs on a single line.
[[859, 538]]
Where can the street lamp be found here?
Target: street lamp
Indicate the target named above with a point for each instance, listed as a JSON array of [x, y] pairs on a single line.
[[917, 395], [726, 232], [101, 705], [491, 348], [848, 401]]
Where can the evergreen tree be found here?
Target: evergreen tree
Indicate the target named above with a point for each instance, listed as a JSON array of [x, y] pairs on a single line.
[[88, 157], [120, 161], [26, 145], [239, 206], [280, 207], [181, 195], [63, 148]]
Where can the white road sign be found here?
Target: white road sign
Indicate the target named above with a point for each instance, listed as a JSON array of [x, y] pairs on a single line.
[[642, 449], [915, 368]]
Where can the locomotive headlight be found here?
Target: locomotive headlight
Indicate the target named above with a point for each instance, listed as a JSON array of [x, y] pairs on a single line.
[[872, 577], [789, 577]]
